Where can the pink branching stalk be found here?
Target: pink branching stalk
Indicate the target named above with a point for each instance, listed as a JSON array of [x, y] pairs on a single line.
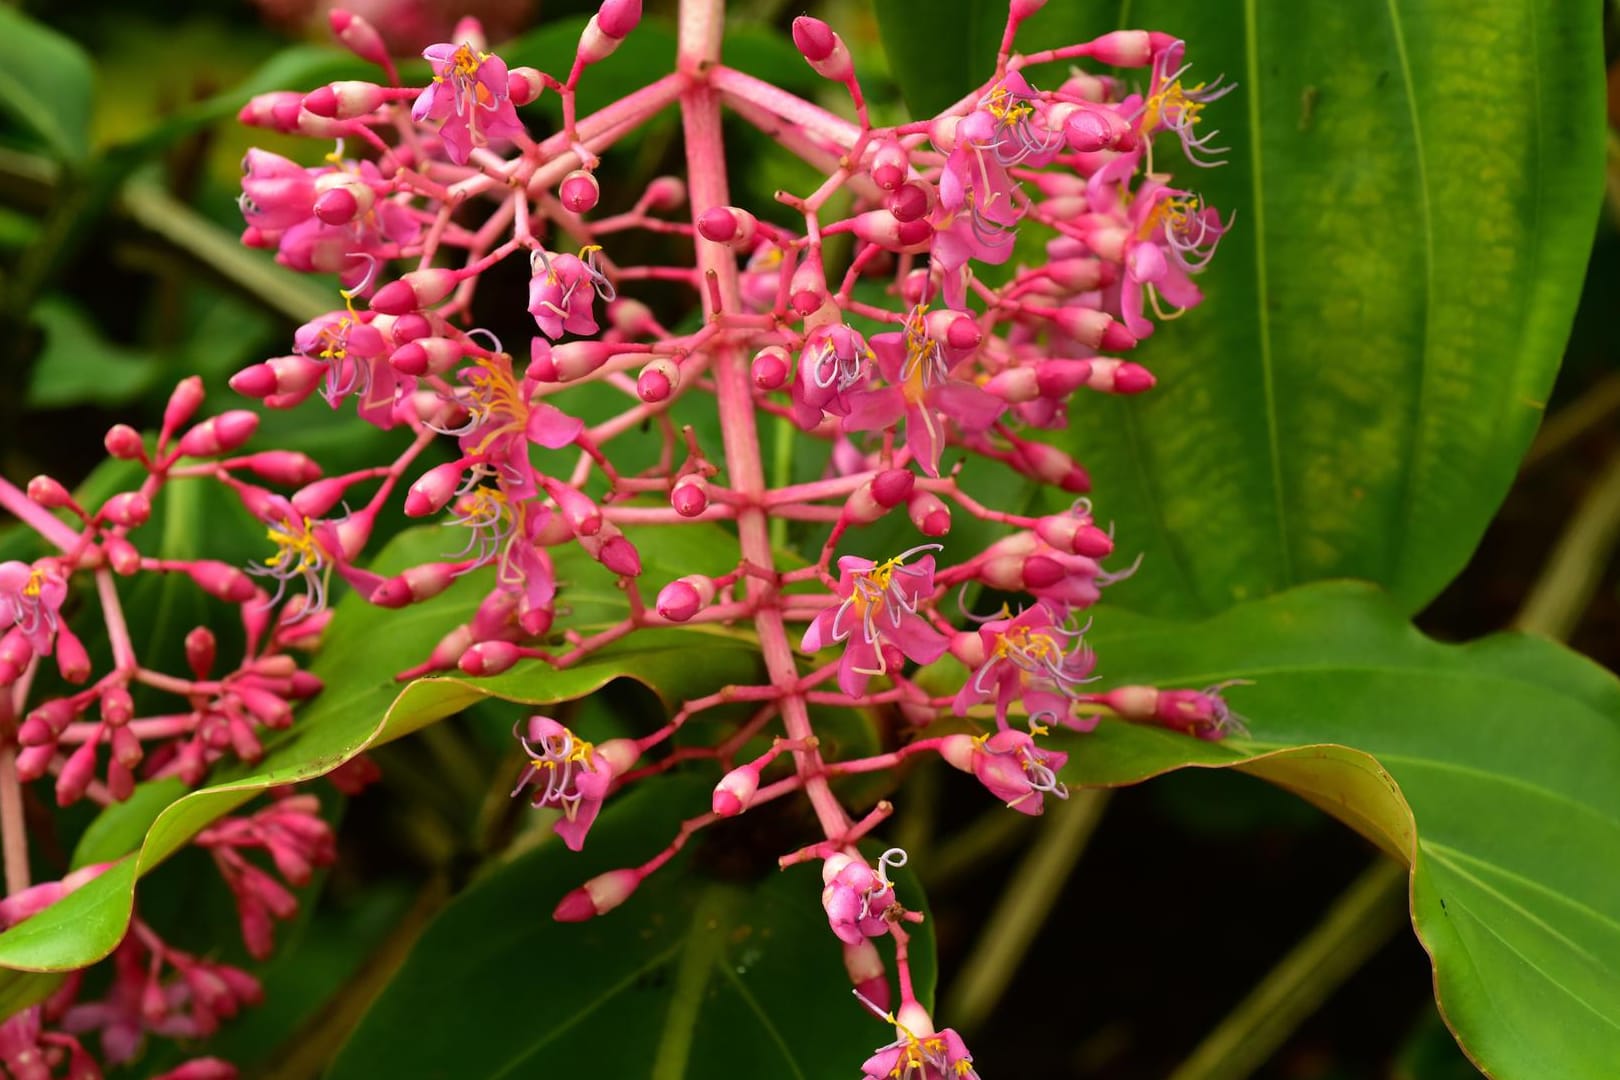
[[427, 189]]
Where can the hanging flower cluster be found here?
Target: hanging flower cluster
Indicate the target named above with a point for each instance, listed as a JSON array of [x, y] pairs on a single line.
[[1003, 257]]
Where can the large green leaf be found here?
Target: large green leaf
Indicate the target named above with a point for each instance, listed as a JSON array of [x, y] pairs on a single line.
[[47, 83], [1415, 188], [1492, 768], [693, 975], [362, 706]]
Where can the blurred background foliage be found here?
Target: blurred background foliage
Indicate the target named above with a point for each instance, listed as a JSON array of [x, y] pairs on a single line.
[[119, 274]]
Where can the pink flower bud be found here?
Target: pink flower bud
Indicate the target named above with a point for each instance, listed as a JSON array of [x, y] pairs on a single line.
[[183, 403], [1077, 536], [690, 495], [434, 489], [929, 514], [71, 658], [890, 232], [345, 100], [891, 487], [598, 896], [48, 493], [576, 508], [129, 509], [866, 973], [219, 434], [126, 748], [736, 790], [359, 36], [1041, 572], [271, 709], [890, 163], [277, 110], [658, 381], [415, 290], [341, 205], [616, 18], [771, 367], [426, 356], [824, 49], [34, 762], [1017, 385], [201, 649], [315, 500], [117, 707], [281, 376], [620, 556], [1119, 377], [523, 85], [807, 291], [685, 597], [222, 580], [1122, 48], [123, 442], [288, 467], [665, 193], [1052, 466], [121, 555], [577, 359], [413, 586], [1023, 9], [594, 45], [76, 774], [729, 225], [579, 192], [910, 202], [489, 658]]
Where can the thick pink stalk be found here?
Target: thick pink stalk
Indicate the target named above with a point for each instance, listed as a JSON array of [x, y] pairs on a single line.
[[701, 24]]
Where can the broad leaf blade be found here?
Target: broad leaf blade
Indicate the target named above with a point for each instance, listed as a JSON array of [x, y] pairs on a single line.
[[939, 49], [690, 977], [1385, 318], [1493, 768], [47, 83]]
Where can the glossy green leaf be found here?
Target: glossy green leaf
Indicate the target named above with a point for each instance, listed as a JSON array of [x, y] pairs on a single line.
[[362, 706], [1492, 768], [694, 976], [939, 49], [47, 83], [77, 366]]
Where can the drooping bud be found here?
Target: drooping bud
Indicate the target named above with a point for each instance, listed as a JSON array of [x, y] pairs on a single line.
[[579, 192], [201, 650], [434, 489], [222, 580], [929, 514], [219, 434], [71, 658], [736, 790], [415, 290], [359, 36], [598, 896]]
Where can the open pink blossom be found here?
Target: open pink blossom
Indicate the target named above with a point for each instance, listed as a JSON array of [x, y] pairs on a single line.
[[1011, 766], [469, 95], [856, 896], [1031, 659], [922, 1056], [920, 392], [31, 599], [563, 291], [835, 362], [880, 609], [570, 774], [1173, 236]]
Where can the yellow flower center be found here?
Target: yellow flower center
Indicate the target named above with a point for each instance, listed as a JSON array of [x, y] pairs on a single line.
[[1006, 108], [297, 550], [1173, 103], [36, 582]]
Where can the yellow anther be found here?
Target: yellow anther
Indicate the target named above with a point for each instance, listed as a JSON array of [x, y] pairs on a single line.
[[36, 582], [297, 550]]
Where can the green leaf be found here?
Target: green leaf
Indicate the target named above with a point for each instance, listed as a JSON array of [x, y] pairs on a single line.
[[1386, 317], [47, 83], [692, 975], [939, 49], [78, 366], [363, 706], [1492, 768]]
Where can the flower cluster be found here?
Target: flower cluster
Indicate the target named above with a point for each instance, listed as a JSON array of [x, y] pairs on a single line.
[[1013, 248]]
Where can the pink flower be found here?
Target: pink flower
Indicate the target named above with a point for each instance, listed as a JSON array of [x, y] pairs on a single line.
[[561, 298], [355, 355], [922, 1056], [1172, 107], [31, 599], [571, 775], [977, 216], [879, 610], [469, 95], [922, 392], [1173, 236], [1027, 659], [834, 361], [855, 896], [1009, 763]]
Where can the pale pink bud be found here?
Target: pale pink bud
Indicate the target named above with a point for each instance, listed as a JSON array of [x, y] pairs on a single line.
[[117, 707], [123, 442], [71, 658], [690, 495], [968, 647], [1137, 703], [277, 110], [1121, 48], [665, 193], [771, 367], [345, 100], [282, 376], [658, 381], [314, 500], [219, 434], [426, 356], [616, 18], [807, 291], [576, 508], [1119, 377], [1077, 536], [413, 586], [630, 317], [598, 896], [1060, 378], [888, 231], [824, 49], [890, 164], [129, 509], [575, 360], [1052, 466], [1016, 385], [415, 290], [183, 403], [579, 192], [729, 225], [121, 555], [1081, 274], [201, 649], [866, 973], [48, 493], [434, 489], [489, 658], [341, 203], [736, 790], [523, 85], [34, 762], [222, 580], [929, 514], [594, 45], [359, 36], [288, 467]]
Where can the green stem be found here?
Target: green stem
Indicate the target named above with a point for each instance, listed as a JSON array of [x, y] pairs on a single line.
[[1023, 908], [1575, 568], [1360, 922]]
